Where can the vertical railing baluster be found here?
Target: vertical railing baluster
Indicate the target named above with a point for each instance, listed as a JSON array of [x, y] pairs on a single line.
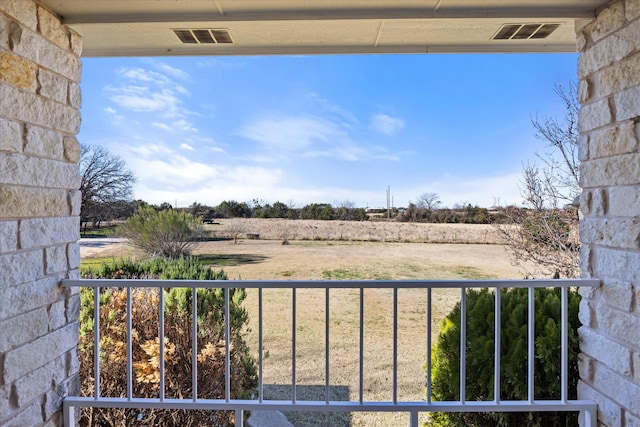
[[129, 346], [429, 320], [463, 344], [96, 342], [161, 339], [326, 351], [395, 345], [531, 345], [498, 333], [194, 344], [227, 348], [564, 322], [260, 347], [293, 346], [361, 355]]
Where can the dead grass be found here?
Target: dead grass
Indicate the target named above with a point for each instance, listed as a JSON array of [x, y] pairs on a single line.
[[345, 259]]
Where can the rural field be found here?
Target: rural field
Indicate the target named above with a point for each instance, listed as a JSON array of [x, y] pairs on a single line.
[[390, 251]]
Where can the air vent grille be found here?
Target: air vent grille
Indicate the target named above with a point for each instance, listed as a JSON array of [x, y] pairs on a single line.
[[525, 31], [204, 36]]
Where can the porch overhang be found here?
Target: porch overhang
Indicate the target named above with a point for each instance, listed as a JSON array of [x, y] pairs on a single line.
[[244, 27]]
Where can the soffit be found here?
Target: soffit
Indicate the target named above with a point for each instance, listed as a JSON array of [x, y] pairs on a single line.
[[260, 27]]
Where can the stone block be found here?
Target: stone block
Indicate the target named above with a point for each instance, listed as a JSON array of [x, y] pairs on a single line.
[[585, 367], [73, 362], [72, 308], [55, 259], [30, 416], [609, 412], [22, 329], [31, 108], [25, 202], [613, 354], [39, 232], [29, 357], [52, 86], [10, 136], [39, 382], [23, 11], [616, 264], [17, 268], [57, 315], [52, 29], [43, 142], [72, 151], [585, 89], [5, 29], [618, 294], [41, 51], [626, 103], [623, 233], [609, 20], [73, 255], [75, 95], [76, 43], [594, 115], [29, 296], [5, 402], [636, 367], [585, 313], [618, 76], [75, 202], [631, 420], [8, 236], [632, 9], [583, 147], [584, 259], [17, 71], [610, 171], [610, 49], [619, 139], [38, 172], [618, 388], [621, 326], [624, 201]]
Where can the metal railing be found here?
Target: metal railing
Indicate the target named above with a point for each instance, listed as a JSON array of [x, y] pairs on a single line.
[[194, 402]]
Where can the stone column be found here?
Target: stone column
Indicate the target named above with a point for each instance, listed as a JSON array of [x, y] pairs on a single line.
[[609, 90], [39, 213]]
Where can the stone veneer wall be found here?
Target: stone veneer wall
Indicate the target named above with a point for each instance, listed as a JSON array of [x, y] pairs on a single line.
[[609, 90], [39, 213]]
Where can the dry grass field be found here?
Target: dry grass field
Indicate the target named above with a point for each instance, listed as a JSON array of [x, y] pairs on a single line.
[[380, 258]]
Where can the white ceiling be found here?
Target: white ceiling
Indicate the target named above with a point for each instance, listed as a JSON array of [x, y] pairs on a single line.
[[146, 27]]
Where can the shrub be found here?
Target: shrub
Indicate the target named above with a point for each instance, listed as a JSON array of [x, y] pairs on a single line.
[[513, 345], [178, 344], [168, 233]]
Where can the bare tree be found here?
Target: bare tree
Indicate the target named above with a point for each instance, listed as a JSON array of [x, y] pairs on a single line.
[[543, 237], [428, 201], [105, 182]]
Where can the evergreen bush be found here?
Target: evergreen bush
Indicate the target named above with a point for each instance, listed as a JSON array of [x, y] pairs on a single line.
[[513, 356]]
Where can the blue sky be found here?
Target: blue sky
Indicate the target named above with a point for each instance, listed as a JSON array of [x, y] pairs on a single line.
[[304, 129]]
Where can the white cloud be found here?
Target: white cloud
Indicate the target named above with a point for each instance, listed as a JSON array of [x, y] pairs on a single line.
[[386, 124], [291, 133], [110, 110], [186, 147], [162, 126]]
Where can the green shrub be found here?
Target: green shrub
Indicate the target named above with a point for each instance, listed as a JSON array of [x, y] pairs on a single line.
[[513, 356], [168, 233], [178, 344]]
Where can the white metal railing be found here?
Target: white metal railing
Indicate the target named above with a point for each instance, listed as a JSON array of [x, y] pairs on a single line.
[[564, 404]]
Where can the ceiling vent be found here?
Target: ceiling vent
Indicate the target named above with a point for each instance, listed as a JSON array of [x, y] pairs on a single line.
[[204, 36], [525, 31]]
